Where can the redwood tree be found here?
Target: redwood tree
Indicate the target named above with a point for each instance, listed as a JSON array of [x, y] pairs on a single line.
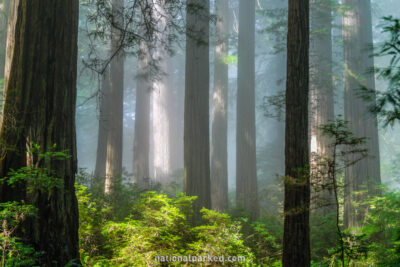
[[246, 164], [115, 98], [40, 96], [321, 102], [358, 60], [196, 118], [219, 146], [296, 239], [141, 143], [4, 9], [104, 117]]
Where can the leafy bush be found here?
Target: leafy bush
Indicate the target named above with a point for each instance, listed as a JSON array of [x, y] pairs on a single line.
[[13, 251], [382, 229], [156, 226]]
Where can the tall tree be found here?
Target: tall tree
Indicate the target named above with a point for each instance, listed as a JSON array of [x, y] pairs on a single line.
[[321, 101], [161, 97], [219, 146], [246, 165], [296, 239], [101, 155], [141, 143], [176, 85], [116, 98], [196, 118], [357, 35], [40, 96], [4, 9], [358, 60]]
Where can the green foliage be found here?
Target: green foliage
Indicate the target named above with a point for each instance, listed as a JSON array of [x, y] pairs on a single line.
[[382, 229], [323, 235], [387, 104], [230, 60], [218, 236], [155, 225], [376, 243], [13, 251], [34, 178]]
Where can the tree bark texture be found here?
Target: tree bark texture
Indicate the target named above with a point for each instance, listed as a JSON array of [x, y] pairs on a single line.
[[161, 99], [4, 10], [358, 60], [40, 96], [219, 146], [321, 103], [116, 100], [296, 239], [196, 118], [104, 117], [246, 164], [141, 144]]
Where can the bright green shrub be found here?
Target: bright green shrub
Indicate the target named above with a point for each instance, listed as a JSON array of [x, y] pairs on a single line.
[[157, 226], [219, 236]]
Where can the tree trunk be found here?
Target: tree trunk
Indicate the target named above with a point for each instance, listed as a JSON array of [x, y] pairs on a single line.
[[101, 155], [40, 96], [116, 100], [161, 100], [219, 147], [4, 10], [246, 165], [176, 82], [321, 103], [141, 144], [196, 118], [296, 239], [365, 174]]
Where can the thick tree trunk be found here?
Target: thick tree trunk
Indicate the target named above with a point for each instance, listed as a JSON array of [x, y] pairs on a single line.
[[321, 103], [40, 96], [296, 239], [196, 127], [104, 117], [219, 147], [246, 165], [116, 101], [141, 144], [365, 174]]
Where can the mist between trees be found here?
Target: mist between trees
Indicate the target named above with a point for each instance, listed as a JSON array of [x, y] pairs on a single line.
[[264, 129]]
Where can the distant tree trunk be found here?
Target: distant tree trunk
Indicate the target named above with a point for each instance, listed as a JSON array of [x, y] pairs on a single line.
[[365, 174], [219, 147], [101, 155], [175, 81], [40, 96], [321, 102], [141, 144], [4, 10], [296, 239], [161, 100], [246, 165], [196, 118], [116, 100]]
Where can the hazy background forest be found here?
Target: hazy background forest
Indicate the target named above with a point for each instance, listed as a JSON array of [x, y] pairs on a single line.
[[270, 80], [183, 105]]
